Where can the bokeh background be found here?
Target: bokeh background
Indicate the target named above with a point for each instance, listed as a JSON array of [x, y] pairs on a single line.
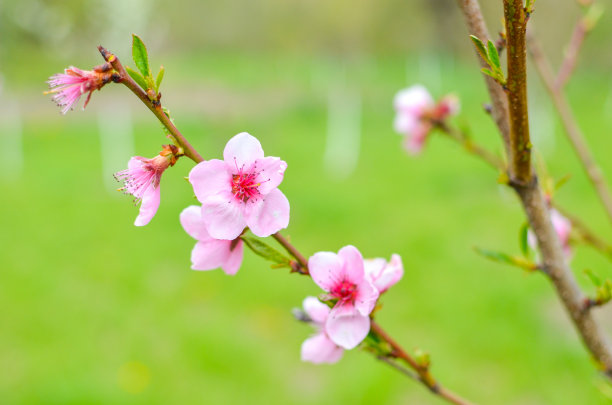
[[97, 311]]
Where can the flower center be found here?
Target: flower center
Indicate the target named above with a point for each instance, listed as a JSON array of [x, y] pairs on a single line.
[[344, 291], [244, 186]]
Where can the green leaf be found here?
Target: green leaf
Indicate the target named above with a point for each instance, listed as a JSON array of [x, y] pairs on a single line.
[[140, 56], [480, 48], [495, 256], [593, 277], [267, 252], [160, 77], [488, 72], [524, 231], [137, 77], [493, 56]]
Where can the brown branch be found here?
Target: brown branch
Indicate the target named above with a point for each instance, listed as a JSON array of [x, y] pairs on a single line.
[[155, 107], [572, 130], [476, 26], [538, 215], [471, 147], [301, 260], [520, 145], [571, 56]]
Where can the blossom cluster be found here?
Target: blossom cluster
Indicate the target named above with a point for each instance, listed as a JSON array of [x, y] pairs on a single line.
[[417, 114]]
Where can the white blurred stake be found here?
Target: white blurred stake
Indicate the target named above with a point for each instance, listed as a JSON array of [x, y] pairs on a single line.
[[116, 141], [343, 132]]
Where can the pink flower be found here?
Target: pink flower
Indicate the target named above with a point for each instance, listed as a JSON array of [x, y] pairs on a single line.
[[563, 228], [416, 114], [383, 274], [74, 82], [241, 190], [319, 348], [141, 179], [210, 253], [342, 275]]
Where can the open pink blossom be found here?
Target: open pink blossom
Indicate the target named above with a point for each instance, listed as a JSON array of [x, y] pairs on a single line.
[[241, 190], [210, 253], [141, 179], [416, 114], [319, 348], [383, 274], [563, 228], [342, 275], [68, 87]]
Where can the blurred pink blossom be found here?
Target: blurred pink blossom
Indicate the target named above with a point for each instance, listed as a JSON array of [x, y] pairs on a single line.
[[416, 114], [319, 348], [141, 179], [241, 190], [342, 275], [563, 228], [210, 253], [383, 274], [68, 87]]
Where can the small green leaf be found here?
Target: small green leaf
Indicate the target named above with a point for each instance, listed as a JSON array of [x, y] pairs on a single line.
[[140, 56], [137, 77], [524, 231], [493, 56], [488, 72], [267, 252], [529, 6], [160, 77], [495, 256], [480, 48], [593, 277]]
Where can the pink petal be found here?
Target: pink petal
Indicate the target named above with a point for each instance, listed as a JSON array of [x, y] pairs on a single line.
[[270, 173], [192, 222], [234, 259], [347, 331], [413, 100], [149, 206], [223, 217], [209, 255], [366, 298], [270, 216], [374, 267], [241, 152], [316, 310], [353, 264], [320, 349], [325, 269], [386, 275], [209, 178], [405, 124]]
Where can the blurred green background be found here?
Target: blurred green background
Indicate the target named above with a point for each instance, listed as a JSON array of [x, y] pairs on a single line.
[[97, 311]]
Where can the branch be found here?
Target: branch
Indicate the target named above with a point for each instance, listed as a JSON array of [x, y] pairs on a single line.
[[471, 147], [571, 56], [572, 130], [155, 108], [535, 207], [520, 145]]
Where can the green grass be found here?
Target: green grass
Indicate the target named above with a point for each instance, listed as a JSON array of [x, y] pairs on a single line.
[[97, 311]]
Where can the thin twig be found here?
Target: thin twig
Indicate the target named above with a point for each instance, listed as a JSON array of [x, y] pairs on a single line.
[[303, 263], [571, 56], [399, 368], [155, 108], [472, 147], [572, 130]]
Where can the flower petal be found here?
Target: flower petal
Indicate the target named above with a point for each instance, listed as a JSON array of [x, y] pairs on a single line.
[[149, 206], [241, 152], [270, 216], [413, 100], [209, 178], [234, 259], [223, 217], [347, 331], [367, 294], [320, 349], [391, 274], [270, 171], [353, 264], [192, 222], [316, 310], [325, 269], [209, 255], [405, 124]]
